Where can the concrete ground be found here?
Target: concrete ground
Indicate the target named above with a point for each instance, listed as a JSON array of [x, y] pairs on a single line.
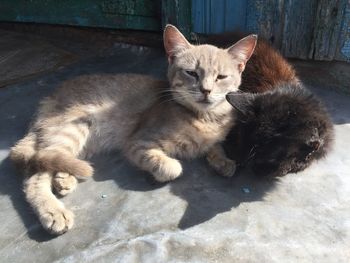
[[123, 216]]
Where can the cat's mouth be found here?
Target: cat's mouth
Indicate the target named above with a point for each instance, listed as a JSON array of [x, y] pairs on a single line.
[[205, 101]]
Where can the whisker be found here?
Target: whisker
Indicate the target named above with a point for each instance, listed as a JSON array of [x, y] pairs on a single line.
[[166, 101], [172, 94], [173, 98]]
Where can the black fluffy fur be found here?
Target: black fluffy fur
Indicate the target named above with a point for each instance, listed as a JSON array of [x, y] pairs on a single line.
[[280, 131]]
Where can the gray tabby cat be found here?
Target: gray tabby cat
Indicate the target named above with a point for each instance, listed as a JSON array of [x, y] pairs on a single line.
[[151, 122]]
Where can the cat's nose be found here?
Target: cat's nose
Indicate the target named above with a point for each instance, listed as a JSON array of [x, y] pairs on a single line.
[[206, 92]]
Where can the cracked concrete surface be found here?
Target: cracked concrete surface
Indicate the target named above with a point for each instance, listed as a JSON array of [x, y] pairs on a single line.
[[124, 216]]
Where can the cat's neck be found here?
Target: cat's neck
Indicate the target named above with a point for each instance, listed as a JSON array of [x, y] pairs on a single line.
[[216, 113]]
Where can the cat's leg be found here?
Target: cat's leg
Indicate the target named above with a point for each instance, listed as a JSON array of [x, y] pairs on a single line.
[[23, 151], [59, 148], [64, 183], [52, 214], [154, 160], [217, 159], [58, 153]]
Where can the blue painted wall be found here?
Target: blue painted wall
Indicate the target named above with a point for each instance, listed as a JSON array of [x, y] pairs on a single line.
[[312, 29], [215, 16], [345, 36]]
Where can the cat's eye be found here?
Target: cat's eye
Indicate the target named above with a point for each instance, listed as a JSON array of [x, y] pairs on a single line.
[[219, 77], [192, 73]]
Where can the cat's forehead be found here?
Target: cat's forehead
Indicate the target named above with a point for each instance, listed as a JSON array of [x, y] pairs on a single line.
[[205, 57]]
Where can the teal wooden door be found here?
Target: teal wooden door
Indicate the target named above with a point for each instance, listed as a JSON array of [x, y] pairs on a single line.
[[123, 14], [307, 29]]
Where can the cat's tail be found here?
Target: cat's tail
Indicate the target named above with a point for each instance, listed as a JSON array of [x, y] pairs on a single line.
[[23, 151], [26, 157], [57, 161]]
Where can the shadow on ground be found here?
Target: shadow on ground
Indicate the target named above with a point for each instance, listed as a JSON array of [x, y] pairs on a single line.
[[206, 193], [11, 185]]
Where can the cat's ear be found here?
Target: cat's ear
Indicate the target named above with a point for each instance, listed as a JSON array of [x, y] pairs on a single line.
[[174, 41], [242, 102], [243, 50]]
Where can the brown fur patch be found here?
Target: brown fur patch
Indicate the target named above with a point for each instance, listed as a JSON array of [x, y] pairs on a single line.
[[265, 70]]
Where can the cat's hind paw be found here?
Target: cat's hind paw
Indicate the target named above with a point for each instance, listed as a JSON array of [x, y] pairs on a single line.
[[168, 170], [64, 183], [223, 166], [57, 221]]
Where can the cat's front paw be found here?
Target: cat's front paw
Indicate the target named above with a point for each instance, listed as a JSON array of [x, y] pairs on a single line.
[[228, 168], [64, 183], [57, 221], [223, 166], [168, 170]]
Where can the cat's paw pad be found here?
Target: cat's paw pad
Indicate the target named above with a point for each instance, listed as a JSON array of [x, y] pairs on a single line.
[[57, 221], [168, 170], [64, 183], [224, 167]]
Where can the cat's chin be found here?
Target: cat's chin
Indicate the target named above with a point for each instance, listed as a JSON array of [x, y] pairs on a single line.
[[208, 102], [211, 105], [205, 104]]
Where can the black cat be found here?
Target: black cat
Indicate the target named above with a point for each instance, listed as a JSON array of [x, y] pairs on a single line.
[[280, 131]]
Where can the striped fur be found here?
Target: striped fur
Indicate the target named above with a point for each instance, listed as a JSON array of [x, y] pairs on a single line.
[[150, 121], [54, 217]]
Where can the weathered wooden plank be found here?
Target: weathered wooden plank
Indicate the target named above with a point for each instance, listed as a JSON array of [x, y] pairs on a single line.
[[266, 17], [211, 16], [327, 29], [129, 7], [235, 14], [132, 14], [178, 13], [299, 19], [313, 29], [343, 47], [288, 24], [217, 18]]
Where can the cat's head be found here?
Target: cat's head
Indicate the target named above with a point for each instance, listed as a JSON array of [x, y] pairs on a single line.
[[286, 129], [201, 75]]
